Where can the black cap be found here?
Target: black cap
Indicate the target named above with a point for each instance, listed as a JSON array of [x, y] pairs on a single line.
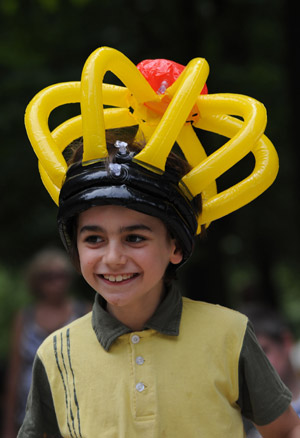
[[127, 184]]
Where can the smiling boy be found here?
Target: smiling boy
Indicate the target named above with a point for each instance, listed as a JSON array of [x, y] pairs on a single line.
[[123, 256], [146, 362]]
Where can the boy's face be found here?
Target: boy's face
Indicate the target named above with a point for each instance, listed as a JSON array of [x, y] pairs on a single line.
[[124, 254]]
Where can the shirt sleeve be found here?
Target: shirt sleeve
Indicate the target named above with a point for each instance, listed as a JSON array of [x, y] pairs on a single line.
[[263, 397], [40, 419]]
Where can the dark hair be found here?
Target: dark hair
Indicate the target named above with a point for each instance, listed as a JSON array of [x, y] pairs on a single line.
[[178, 165]]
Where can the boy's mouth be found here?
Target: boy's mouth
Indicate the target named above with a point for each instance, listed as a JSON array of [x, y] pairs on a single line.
[[118, 278]]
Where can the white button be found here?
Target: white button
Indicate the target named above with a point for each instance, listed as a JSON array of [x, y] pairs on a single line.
[[135, 339], [140, 387], [139, 360]]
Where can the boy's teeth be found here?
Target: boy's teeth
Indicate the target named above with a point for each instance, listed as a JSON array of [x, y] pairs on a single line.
[[117, 278]]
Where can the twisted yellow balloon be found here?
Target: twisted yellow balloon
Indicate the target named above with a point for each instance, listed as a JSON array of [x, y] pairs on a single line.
[[131, 105]]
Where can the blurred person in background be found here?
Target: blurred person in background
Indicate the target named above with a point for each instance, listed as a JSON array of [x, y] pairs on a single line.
[[49, 278], [277, 341]]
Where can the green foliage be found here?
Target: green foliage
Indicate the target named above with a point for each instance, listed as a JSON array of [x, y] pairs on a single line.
[[287, 277], [13, 296]]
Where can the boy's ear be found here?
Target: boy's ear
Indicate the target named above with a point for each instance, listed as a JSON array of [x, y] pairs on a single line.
[[176, 256]]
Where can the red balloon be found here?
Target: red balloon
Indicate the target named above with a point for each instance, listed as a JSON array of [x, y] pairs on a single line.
[[161, 73]]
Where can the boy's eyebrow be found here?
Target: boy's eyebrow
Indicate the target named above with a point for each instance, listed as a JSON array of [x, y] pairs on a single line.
[[95, 228], [135, 227], [129, 228]]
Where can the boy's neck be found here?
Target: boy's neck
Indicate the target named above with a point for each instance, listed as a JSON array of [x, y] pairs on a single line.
[[135, 317]]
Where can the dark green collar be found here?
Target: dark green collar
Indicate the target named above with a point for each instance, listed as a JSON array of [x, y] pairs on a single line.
[[165, 320]]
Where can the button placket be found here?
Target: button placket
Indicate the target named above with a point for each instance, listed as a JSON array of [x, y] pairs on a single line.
[[139, 360], [144, 400]]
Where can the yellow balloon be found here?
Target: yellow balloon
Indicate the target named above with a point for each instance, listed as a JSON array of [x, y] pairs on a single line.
[[194, 154], [160, 144], [174, 116], [99, 62], [263, 175], [70, 130], [237, 147]]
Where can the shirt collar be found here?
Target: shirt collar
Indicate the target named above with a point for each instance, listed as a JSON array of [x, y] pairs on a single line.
[[165, 320]]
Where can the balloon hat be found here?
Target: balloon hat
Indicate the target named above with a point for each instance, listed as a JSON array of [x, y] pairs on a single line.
[[168, 101]]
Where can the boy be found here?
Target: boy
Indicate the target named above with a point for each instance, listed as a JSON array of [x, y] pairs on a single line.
[[146, 362]]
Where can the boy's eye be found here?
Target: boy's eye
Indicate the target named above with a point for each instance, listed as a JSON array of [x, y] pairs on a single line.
[[135, 238], [93, 239]]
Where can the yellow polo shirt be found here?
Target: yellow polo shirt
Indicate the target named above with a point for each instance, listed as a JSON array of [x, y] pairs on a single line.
[[154, 383]]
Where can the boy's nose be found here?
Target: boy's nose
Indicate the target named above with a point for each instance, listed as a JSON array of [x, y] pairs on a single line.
[[114, 254]]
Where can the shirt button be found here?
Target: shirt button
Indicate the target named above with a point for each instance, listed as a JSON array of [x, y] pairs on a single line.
[[135, 339], [140, 387], [139, 360]]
